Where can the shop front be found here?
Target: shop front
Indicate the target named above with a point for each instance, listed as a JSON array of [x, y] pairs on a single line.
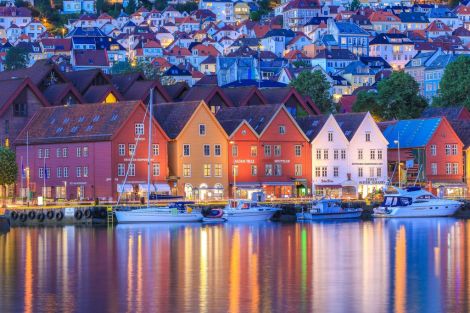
[[278, 189], [370, 187], [450, 190], [245, 190], [329, 191], [204, 192]]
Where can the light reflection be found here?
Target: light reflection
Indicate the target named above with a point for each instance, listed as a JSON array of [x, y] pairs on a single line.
[[400, 271], [28, 279]]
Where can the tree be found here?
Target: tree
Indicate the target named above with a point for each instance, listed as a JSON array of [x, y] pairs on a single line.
[[149, 70], [354, 5], [397, 98], [315, 85], [100, 6], [131, 7], [16, 58], [455, 84], [8, 170]]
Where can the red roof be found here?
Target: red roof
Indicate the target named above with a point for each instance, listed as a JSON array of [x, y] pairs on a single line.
[[346, 103], [438, 26]]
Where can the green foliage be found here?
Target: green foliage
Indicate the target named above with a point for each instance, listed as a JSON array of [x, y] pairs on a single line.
[[255, 16], [149, 70], [8, 167], [315, 85], [99, 6], [354, 5], [16, 58], [131, 7], [397, 98], [300, 63], [455, 84], [186, 7]]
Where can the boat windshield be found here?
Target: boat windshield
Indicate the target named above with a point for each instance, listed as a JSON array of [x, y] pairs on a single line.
[[396, 201]]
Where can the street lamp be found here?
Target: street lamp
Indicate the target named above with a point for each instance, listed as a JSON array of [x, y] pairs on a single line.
[[234, 172], [397, 142]]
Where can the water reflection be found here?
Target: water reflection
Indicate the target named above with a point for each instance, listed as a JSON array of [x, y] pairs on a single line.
[[399, 265]]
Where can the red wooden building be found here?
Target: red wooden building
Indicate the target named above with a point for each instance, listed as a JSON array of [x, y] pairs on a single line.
[[85, 151]]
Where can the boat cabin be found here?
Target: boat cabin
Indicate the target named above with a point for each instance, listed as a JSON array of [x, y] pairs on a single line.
[[326, 206], [393, 201], [237, 204]]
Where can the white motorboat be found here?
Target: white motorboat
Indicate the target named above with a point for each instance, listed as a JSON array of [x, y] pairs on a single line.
[[415, 202], [328, 209], [247, 211], [176, 212]]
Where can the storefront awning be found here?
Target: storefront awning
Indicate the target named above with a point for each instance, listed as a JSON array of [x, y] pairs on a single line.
[[327, 186], [272, 183], [125, 188], [155, 187], [246, 185], [449, 185], [349, 183]]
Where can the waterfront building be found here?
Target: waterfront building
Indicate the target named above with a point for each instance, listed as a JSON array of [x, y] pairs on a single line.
[[462, 128], [90, 151], [197, 151], [430, 154]]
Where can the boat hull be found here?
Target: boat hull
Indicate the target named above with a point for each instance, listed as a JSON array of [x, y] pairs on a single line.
[[157, 217], [214, 220], [247, 216], [418, 211], [322, 216]]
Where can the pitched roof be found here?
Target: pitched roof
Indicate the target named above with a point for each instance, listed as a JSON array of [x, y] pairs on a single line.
[[123, 82], [11, 88], [36, 73], [98, 93], [451, 113], [141, 89], [197, 93], [174, 116], [240, 96], [413, 133], [312, 124], [77, 123], [91, 58], [177, 90], [462, 128], [56, 93], [83, 79], [349, 123]]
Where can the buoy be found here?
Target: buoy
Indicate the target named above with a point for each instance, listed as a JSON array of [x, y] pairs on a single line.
[[102, 213], [88, 213], [41, 216], [59, 216], [50, 215], [23, 217], [32, 215], [14, 215], [78, 214]]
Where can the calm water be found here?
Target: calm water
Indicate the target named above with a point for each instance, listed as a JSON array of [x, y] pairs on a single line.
[[409, 265]]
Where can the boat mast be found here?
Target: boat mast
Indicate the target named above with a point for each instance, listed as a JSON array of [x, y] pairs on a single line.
[[149, 146]]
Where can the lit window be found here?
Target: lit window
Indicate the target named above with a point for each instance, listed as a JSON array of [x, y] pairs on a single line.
[[187, 170], [253, 151], [268, 170], [218, 170], [85, 171], [85, 151], [207, 170], [298, 170]]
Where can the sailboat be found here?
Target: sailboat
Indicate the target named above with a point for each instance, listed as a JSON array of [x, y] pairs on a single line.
[[175, 212]]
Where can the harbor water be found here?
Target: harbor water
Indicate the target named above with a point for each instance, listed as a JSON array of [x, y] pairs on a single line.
[[384, 265]]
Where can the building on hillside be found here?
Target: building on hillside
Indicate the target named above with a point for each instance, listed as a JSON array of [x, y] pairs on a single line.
[[91, 151], [462, 128]]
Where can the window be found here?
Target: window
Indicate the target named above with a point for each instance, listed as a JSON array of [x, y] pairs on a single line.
[[131, 149], [139, 129], [58, 152], [317, 171], [156, 149], [330, 136], [434, 168], [448, 168], [359, 154], [335, 154], [433, 150], [217, 150], [379, 154], [298, 150], [360, 172], [58, 172], [253, 151], [277, 169], [371, 172], [66, 172], [447, 149], [379, 172], [65, 152], [202, 129], [122, 149], [207, 170], [324, 171], [207, 150], [156, 169], [268, 169], [79, 152], [40, 153], [318, 154], [20, 109], [455, 168], [218, 170], [372, 154], [343, 154], [298, 169], [187, 170], [282, 129], [234, 150], [267, 150], [277, 150], [85, 152], [41, 172], [131, 169], [121, 169], [47, 153], [254, 170], [235, 170], [325, 154], [186, 150], [335, 171], [78, 171], [85, 171], [454, 149], [367, 136]]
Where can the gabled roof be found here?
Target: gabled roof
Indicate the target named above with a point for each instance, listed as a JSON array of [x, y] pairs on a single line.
[[206, 93], [83, 79], [413, 133], [56, 93], [36, 73], [240, 96], [177, 91], [282, 95], [77, 123], [173, 117], [462, 128], [349, 123], [91, 58], [140, 90], [451, 113], [311, 125], [123, 82], [96, 94], [11, 88]]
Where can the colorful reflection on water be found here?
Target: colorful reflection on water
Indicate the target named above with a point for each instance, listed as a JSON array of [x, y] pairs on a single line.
[[399, 265]]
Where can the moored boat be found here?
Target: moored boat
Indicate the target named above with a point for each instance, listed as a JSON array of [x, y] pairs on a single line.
[[214, 216], [415, 202], [247, 211], [328, 209], [175, 212]]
